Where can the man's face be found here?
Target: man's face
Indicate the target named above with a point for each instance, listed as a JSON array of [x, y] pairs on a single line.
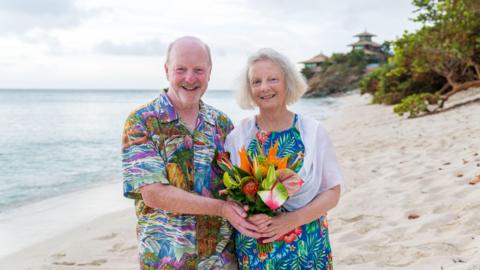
[[188, 72]]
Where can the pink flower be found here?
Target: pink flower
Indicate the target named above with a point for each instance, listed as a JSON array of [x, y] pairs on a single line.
[[262, 136]]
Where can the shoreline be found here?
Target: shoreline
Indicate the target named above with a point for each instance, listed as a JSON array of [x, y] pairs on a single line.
[[48, 218], [395, 168]]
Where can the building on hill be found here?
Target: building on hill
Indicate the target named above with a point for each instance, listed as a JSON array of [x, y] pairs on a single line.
[[372, 50], [315, 63]]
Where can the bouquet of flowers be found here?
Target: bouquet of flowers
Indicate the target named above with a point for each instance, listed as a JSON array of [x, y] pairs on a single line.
[[263, 183]]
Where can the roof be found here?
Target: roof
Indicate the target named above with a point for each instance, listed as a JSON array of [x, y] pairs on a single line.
[[366, 42], [365, 33], [316, 59]]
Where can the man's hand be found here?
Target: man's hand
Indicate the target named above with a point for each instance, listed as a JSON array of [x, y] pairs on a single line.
[[235, 214]]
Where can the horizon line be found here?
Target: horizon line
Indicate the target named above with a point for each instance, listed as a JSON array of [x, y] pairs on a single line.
[[95, 89]]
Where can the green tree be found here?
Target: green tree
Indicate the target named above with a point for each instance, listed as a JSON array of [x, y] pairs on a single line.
[[442, 58]]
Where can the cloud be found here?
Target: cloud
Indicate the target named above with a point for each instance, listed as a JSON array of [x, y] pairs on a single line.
[[44, 7], [21, 16], [151, 47], [53, 45], [74, 34]]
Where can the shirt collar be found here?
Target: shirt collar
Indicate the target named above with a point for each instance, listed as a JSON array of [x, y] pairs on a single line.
[[167, 113], [206, 113]]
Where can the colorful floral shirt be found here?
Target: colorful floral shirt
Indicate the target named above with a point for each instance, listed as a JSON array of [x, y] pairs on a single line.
[[159, 148]]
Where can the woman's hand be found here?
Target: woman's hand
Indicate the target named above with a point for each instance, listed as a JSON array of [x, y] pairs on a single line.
[[236, 215], [273, 228], [262, 222]]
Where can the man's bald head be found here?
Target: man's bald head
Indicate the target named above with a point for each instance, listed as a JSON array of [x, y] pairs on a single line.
[[188, 41]]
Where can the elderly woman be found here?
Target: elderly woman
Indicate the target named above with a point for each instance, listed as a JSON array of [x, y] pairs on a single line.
[[298, 232]]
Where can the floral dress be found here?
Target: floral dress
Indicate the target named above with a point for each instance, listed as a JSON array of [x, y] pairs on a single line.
[[306, 247]]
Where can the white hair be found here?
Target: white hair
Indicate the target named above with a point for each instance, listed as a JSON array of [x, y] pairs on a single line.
[[294, 81]]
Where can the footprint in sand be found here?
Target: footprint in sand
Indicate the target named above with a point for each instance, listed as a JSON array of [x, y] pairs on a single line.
[[349, 237], [354, 259], [67, 263], [134, 247], [93, 263], [106, 237], [58, 255], [116, 247], [359, 217]]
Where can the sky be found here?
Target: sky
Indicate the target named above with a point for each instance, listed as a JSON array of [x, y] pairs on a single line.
[[120, 44]]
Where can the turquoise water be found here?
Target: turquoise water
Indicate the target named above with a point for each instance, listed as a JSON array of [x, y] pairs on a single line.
[[57, 141]]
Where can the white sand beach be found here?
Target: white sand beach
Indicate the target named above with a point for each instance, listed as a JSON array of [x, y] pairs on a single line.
[[408, 205]]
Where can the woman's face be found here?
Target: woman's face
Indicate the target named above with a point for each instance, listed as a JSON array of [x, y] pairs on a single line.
[[267, 83]]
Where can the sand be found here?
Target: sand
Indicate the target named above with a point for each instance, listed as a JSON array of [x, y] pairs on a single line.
[[399, 168], [408, 203]]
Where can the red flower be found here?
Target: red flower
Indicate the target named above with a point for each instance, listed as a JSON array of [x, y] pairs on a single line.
[[290, 238], [297, 231], [223, 160], [250, 188]]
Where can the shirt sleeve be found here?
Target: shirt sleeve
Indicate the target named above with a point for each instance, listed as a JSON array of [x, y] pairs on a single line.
[[331, 172], [226, 125], [141, 161]]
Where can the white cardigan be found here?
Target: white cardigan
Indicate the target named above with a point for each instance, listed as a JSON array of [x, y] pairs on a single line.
[[320, 170]]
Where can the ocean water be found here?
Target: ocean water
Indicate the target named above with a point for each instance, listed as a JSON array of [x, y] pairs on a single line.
[[54, 142]]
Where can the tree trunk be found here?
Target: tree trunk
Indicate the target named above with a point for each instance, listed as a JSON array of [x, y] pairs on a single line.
[[444, 88], [458, 87], [477, 70]]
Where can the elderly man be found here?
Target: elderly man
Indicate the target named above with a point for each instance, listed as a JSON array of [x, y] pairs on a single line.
[[168, 148]]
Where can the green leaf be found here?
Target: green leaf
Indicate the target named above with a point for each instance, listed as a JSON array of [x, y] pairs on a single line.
[[229, 182], [241, 172], [271, 178]]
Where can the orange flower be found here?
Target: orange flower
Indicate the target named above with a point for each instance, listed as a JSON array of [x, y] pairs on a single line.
[[272, 154], [262, 256], [244, 161], [282, 163], [278, 162]]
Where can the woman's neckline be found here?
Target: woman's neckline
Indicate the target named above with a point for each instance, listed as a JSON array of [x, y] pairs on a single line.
[[293, 125]]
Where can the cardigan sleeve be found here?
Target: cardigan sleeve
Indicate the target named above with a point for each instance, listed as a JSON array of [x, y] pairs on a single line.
[[331, 175]]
